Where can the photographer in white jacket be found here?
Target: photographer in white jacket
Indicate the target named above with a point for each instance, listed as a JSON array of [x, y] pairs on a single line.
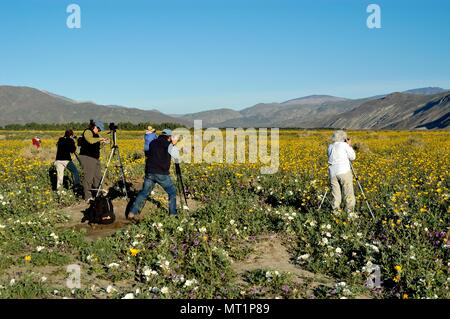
[[340, 153]]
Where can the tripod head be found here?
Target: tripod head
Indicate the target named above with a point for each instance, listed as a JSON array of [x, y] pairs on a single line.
[[113, 130]]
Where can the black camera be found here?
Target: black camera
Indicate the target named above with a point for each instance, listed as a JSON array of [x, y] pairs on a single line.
[[113, 127]]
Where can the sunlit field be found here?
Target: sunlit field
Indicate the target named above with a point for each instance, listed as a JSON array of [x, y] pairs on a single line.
[[405, 176]]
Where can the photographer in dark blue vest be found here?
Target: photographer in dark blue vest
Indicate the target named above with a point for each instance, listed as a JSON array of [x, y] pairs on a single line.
[[157, 167]]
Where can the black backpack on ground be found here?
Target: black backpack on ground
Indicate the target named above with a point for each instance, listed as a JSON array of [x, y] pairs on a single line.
[[100, 211]]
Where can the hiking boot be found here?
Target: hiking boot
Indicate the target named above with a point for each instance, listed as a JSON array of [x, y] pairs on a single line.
[[132, 217]]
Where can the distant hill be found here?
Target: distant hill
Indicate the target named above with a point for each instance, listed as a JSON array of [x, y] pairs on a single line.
[[20, 105], [213, 117], [314, 100], [396, 111], [423, 108], [426, 91]]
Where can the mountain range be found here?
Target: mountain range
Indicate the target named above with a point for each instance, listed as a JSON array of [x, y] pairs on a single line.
[[423, 108], [20, 105]]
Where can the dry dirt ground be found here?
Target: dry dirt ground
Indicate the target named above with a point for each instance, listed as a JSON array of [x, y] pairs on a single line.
[[270, 253], [96, 231]]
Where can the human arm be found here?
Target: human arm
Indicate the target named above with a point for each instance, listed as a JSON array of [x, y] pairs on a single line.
[[350, 152], [175, 153], [72, 146], [89, 136]]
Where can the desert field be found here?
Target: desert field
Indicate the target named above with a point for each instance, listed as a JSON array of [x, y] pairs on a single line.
[[246, 235]]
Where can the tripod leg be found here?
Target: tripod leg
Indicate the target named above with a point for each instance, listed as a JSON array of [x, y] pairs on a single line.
[[179, 192], [362, 191], [323, 199], [122, 173], [104, 174], [179, 176]]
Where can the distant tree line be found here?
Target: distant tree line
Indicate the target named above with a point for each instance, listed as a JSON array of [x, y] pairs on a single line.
[[81, 126]]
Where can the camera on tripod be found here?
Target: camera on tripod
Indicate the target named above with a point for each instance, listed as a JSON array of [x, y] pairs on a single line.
[[113, 127]]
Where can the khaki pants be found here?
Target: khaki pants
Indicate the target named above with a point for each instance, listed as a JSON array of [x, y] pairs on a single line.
[[60, 166], [92, 174], [343, 184]]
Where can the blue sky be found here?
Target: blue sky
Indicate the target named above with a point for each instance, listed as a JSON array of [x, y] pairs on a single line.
[[182, 56]]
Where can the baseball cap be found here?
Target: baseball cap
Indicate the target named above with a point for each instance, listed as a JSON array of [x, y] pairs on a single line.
[[100, 125], [150, 128], [167, 132]]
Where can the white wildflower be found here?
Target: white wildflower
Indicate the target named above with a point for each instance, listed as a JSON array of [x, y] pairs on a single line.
[[110, 289], [164, 290], [128, 296], [304, 257], [190, 282]]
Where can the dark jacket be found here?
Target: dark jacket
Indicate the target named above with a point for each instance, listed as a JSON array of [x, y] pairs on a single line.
[[88, 149], [65, 147], [158, 161]]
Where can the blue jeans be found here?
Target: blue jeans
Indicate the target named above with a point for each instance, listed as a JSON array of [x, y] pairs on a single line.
[[149, 182], [73, 169]]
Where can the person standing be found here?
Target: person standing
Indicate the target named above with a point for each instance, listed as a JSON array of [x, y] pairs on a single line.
[[65, 147], [90, 157], [340, 153], [157, 171]]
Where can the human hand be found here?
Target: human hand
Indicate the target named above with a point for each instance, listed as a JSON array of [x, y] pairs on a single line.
[[349, 141], [174, 139]]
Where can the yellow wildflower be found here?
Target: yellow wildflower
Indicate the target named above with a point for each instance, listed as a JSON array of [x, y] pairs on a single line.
[[134, 251]]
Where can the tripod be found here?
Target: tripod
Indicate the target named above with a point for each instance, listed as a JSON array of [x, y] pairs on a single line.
[[360, 188], [362, 191], [114, 152]]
